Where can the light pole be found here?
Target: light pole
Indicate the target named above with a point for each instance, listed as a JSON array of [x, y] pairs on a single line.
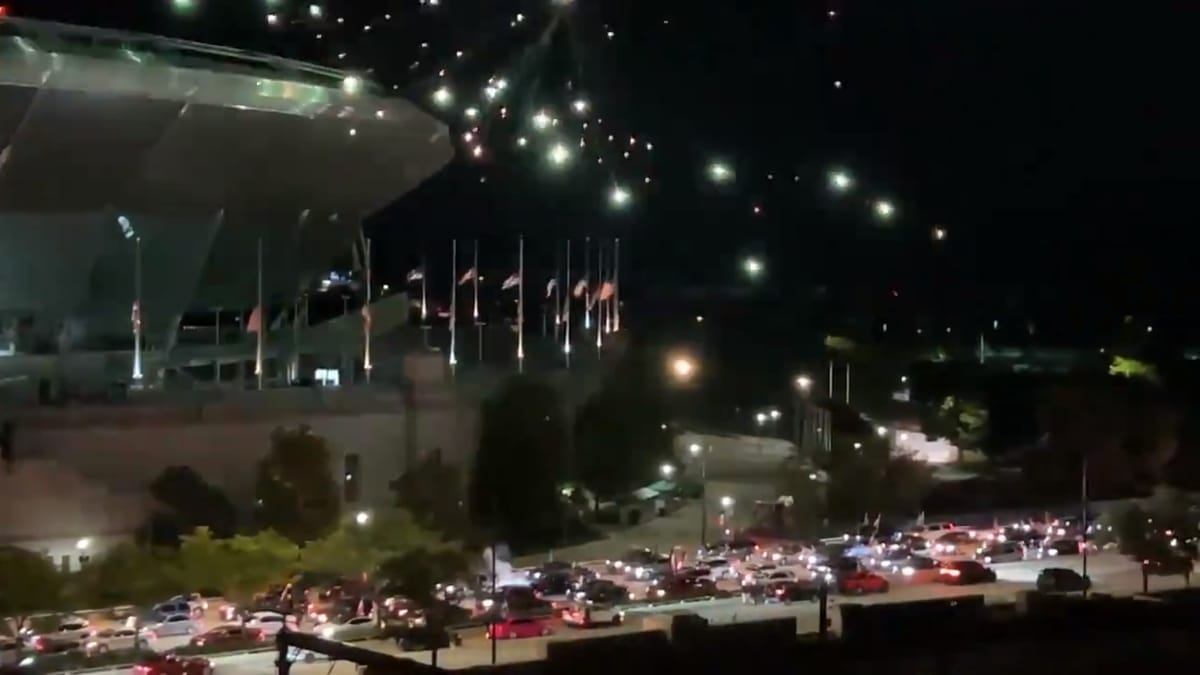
[[702, 453], [727, 503], [803, 385]]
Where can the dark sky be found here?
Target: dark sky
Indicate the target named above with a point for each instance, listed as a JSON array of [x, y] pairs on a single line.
[[1056, 141]]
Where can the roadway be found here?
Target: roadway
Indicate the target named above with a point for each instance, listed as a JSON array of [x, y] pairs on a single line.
[[1111, 573]]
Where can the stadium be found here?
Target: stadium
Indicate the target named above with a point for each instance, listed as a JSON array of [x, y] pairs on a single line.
[[132, 161]]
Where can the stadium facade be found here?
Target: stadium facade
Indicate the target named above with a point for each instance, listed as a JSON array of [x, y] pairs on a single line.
[[110, 141], [113, 142]]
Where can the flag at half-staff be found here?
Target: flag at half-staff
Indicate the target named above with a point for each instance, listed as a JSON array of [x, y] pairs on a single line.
[[415, 275], [454, 284]]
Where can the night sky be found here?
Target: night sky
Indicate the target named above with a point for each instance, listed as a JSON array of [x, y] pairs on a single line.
[[1055, 141]]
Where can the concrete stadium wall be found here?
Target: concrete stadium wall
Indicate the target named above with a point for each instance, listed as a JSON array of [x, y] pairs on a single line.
[[225, 452]]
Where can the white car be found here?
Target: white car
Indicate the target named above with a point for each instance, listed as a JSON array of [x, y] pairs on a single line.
[[172, 625], [111, 639], [71, 631], [358, 628], [270, 623]]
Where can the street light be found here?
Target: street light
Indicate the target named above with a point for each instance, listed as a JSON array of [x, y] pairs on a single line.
[[362, 517], [667, 470], [840, 181], [760, 418], [726, 502], [775, 415], [682, 368], [83, 544], [881, 431], [695, 449], [804, 383], [753, 267]]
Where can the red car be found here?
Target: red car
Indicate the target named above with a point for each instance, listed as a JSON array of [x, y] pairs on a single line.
[[229, 634], [861, 582], [512, 628], [172, 665]]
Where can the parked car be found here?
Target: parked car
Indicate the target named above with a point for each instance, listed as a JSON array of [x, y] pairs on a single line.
[[173, 665], [271, 623], [632, 558], [1061, 580], [1168, 566], [357, 628], [959, 542], [962, 572], [588, 614], [111, 639], [512, 628], [170, 626], [69, 634], [228, 634], [860, 582], [1054, 548], [1001, 552]]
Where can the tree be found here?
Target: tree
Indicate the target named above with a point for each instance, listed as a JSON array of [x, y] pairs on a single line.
[[1123, 366], [258, 561], [415, 573], [619, 440], [127, 574], [355, 549], [868, 480], [519, 466], [29, 583], [238, 567], [194, 502], [431, 491], [960, 420], [295, 490]]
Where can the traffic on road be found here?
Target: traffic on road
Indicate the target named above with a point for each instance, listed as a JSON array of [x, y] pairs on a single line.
[[731, 581]]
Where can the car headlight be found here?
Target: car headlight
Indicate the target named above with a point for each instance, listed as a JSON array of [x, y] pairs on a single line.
[[908, 571], [488, 602], [987, 559], [660, 593], [327, 632], [1052, 552], [27, 661]]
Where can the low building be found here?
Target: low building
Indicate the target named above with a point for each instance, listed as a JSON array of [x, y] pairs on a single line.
[[50, 508]]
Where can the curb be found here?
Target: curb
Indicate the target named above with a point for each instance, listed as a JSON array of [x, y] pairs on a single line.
[[129, 666]]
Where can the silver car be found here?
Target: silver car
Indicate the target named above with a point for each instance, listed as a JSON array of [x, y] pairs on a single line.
[[1003, 552], [358, 628]]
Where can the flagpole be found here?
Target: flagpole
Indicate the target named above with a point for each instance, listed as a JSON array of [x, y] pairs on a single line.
[[557, 293], [424, 303], [475, 309], [567, 311], [262, 322], [616, 298], [596, 297], [137, 311], [453, 299], [521, 304], [605, 311], [367, 316], [587, 289]]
